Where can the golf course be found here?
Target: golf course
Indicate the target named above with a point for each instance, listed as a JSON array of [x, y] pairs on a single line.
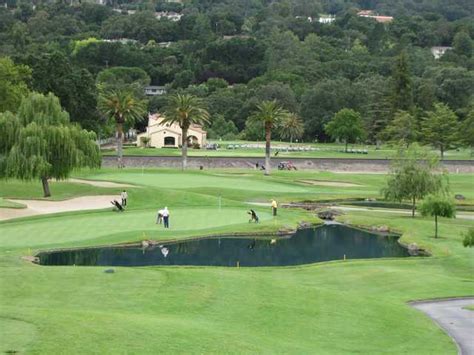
[[332, 307], [289, 151]]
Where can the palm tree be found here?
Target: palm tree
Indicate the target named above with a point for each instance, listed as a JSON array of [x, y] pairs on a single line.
[[271, 114], [291, 127], [185, 110], [122, 107]]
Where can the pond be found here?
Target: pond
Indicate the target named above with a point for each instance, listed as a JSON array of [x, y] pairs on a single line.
[[324, 243]]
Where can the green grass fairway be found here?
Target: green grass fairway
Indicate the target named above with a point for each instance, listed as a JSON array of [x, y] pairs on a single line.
[[324, 150], [339, 307]]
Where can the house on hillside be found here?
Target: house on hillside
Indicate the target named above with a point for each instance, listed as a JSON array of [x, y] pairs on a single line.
[[439, 51], [170, 15], [153, 90], [378, 18], [327, 18], [166, 135]]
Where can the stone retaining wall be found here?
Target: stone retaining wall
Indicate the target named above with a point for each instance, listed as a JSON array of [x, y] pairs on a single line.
[[321, 164]]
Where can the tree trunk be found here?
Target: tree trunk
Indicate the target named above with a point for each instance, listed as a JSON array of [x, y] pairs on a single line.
[[436, 226], [413, 208], [346, 147], [184, 148], [44, 181], [268, 138], [442, 151], [119, 145]]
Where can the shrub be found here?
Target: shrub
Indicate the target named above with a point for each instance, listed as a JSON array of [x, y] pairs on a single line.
[[145, 141], [468, 240]]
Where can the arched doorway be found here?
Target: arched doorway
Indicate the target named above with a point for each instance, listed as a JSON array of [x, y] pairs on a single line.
[[170, 141]]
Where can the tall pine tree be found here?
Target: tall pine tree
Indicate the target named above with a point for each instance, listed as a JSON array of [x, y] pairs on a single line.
[[402, 96]]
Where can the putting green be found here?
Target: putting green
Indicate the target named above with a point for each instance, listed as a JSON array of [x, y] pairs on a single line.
[[60, 229]]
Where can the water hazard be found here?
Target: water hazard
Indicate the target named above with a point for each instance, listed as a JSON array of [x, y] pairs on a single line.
[[328, 242]]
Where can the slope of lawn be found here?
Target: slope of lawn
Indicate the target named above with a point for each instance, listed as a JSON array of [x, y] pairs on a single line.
[[335, 307], [60, 190], [10, 204], [324, 150]]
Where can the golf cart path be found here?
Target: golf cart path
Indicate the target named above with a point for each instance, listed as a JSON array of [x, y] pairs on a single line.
[[454, 319], [40, 207]]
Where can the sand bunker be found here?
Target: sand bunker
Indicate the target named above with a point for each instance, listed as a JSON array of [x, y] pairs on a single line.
[[100, 183], [329, 183], [39, 207]]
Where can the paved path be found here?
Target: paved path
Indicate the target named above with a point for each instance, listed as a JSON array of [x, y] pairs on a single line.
[[456, 321]]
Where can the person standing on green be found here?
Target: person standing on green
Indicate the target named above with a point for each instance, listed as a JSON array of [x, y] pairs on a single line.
[[124, 197], [166, 217], [274, 207]]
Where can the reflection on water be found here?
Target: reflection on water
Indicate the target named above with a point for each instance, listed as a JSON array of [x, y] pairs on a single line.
[[328, 242]]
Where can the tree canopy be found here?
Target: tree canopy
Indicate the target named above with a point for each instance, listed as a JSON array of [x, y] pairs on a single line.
[[440, 128], [185, 110], [438, 206], [346, 125], [412, 176], [40, 142], [13, 84], [270, 115], [234, 54], [123, 108]]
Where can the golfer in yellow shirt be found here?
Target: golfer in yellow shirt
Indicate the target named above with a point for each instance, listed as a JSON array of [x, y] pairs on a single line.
[[274, 207]]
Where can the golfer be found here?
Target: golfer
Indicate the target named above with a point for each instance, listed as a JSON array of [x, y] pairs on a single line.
[[166, 217], [159, 217], [124, 197], [274, 207]]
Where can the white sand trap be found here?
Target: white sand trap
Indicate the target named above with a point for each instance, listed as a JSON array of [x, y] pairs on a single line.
[[39, 207], [100, 183], [329, 183]]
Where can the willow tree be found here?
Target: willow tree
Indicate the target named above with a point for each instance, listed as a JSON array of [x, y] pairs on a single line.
[[271, 115], [438, 206], [40, 142], [185, 110], [414, 174], [122, 107]]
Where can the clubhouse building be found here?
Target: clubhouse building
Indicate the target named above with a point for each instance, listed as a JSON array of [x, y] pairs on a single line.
[[166, 135]]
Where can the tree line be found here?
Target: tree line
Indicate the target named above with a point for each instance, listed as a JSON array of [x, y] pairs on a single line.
[[233, 55]]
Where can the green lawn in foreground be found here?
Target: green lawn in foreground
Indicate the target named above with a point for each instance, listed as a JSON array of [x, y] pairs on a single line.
[[336, 307], [325, 150]]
